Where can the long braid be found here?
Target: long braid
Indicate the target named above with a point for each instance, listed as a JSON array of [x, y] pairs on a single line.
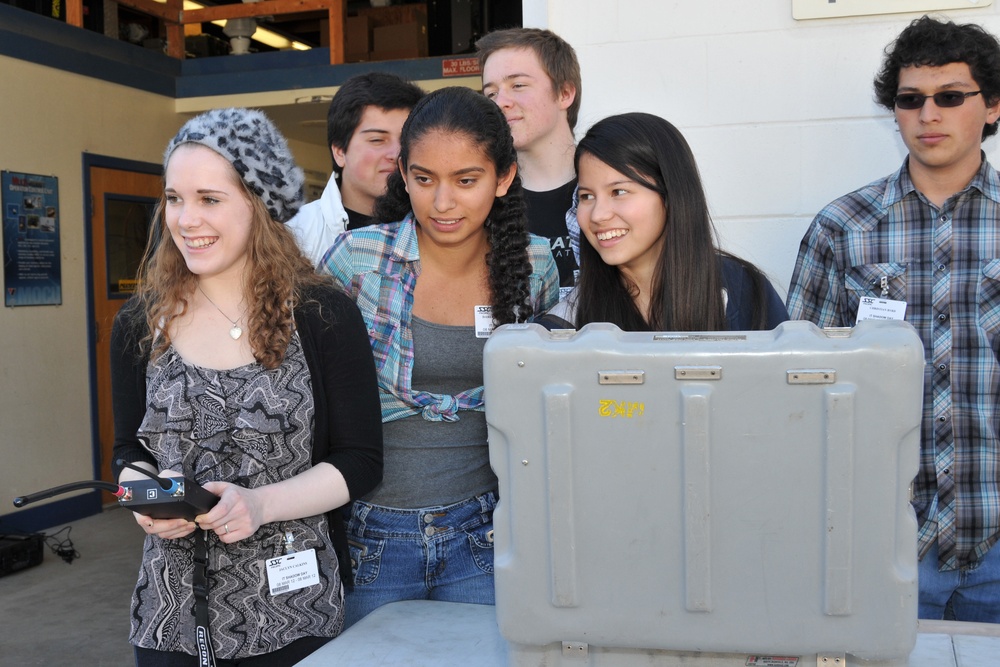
[[509, 266]]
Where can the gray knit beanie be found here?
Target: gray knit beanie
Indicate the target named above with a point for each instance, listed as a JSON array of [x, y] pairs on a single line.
[[256, 149]]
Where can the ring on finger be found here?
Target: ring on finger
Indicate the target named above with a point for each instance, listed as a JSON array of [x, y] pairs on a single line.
[[227, 528]]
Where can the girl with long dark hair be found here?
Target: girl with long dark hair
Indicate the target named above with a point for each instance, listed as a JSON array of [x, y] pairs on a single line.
[[649, 261], [454, 260]]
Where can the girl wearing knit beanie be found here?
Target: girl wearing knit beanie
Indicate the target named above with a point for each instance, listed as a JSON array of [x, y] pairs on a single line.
[[237, 367]]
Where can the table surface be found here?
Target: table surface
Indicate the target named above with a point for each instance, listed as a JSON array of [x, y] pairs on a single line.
[[421, 633]]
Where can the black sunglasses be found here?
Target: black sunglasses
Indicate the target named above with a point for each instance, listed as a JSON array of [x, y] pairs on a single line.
[[944, 99]]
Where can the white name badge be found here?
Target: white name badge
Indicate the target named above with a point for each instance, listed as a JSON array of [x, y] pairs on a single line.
[[484, 321], [291, 572], [873, 308]]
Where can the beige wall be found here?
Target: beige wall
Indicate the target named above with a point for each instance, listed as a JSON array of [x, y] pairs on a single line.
[[49, 119], [315, 160]]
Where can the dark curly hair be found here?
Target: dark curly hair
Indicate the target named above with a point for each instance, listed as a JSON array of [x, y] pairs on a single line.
[[927, 42], [462, 111]]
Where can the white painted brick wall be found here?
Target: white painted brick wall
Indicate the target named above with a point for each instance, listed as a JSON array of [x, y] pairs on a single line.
[[779, 112]]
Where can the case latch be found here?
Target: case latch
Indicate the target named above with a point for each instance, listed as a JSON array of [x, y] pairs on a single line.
[[811, 376], [575, 649], [697, 372], [837, 332], [621, 377]]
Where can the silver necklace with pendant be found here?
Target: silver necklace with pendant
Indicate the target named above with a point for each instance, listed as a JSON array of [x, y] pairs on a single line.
[[236, 331]]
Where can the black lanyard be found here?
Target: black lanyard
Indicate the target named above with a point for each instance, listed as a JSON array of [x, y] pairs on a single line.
[[199, 582]]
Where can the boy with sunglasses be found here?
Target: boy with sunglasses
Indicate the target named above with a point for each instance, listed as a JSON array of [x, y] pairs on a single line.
[[923, 244]]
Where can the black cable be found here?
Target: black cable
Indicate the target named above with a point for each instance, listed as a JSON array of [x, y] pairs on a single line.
[[62, 547], [168, 485], [21, 501]]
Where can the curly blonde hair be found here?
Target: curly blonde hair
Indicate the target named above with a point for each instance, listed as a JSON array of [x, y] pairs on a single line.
[[276, 273]]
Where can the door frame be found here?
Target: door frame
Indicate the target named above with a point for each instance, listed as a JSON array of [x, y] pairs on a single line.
[[122, 164]]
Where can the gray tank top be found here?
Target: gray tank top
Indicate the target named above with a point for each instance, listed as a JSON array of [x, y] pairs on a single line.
[[438, 463]]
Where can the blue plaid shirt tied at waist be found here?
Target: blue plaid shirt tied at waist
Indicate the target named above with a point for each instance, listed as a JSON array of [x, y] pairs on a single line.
[[377, 266]]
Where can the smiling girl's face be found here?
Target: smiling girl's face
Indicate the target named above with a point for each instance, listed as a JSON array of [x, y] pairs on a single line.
[[452, 185], [623, 219], [207, 211]]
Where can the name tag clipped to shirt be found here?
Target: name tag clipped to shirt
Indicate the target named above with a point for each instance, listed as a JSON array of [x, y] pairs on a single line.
[[872, 308], [292, 571], [484, 321], [881, 308]]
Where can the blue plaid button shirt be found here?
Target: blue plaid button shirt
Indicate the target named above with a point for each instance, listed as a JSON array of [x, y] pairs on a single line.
[[377, 266], [945, 264]]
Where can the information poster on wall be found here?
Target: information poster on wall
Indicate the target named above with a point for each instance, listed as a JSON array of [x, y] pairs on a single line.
[[32, 268]]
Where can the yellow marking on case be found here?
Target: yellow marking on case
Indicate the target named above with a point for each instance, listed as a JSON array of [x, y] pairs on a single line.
[[612, 408]]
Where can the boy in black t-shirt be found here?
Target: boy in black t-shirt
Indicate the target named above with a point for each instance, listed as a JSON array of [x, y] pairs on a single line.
[[534, 77]]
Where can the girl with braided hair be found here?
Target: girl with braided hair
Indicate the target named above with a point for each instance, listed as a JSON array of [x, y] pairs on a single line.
[[452, 261]]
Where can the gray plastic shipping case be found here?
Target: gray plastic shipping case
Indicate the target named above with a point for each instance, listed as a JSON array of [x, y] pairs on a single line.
[[733, 498]]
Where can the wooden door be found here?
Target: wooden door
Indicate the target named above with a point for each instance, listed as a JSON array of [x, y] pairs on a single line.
[[122, 204]]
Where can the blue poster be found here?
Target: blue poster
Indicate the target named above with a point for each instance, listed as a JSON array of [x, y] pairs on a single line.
[[32, 265]]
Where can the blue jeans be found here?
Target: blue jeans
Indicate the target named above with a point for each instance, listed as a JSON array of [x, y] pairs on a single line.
[[432, 553], [971, 594]]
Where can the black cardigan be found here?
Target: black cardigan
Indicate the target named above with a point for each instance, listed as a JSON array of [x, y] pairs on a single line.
[[348, 416]]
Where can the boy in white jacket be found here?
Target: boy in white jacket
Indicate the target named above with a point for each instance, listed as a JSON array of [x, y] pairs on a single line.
[[362, 127]]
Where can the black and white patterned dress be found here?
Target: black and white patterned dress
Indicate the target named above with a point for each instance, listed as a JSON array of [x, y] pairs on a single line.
[[248, 426]]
